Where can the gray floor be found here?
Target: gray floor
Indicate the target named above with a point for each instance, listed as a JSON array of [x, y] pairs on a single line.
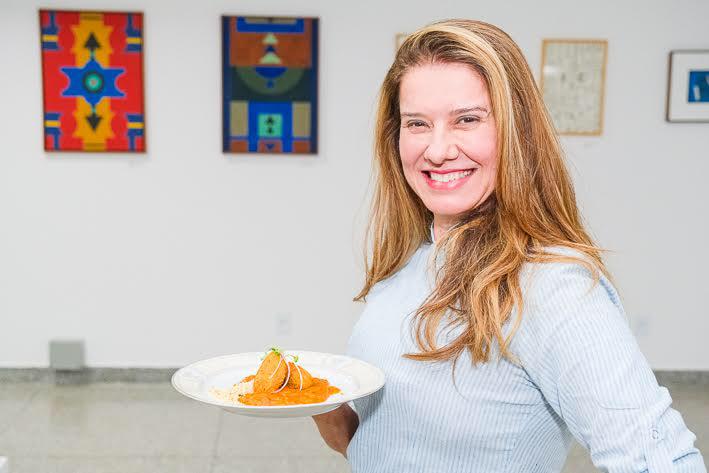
[[148, 427]]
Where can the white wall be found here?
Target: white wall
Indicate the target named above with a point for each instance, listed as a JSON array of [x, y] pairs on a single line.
[[184, 253]]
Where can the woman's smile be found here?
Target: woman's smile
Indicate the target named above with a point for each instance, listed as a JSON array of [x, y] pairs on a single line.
[[447, 180]]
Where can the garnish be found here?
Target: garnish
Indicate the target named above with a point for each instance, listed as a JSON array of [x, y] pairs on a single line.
[[287, 377], [300, 373], [275, 350]]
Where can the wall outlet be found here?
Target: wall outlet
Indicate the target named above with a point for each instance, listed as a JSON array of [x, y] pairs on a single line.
[[284, 324]]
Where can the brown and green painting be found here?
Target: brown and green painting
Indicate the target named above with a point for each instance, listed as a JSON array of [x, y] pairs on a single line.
[[270, 84]]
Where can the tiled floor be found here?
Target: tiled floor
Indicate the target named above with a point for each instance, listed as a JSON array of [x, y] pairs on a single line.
[[148, 427]]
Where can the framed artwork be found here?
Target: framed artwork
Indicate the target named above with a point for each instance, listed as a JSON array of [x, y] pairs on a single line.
[[399, 40], [269, 84], [92, 81], [688, 86], [573, 84]]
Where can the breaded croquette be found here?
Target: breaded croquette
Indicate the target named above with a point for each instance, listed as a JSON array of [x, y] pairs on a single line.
[[272, 373], [299, 375]]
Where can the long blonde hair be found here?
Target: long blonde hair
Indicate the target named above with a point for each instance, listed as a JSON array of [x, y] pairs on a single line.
[[532, 207]]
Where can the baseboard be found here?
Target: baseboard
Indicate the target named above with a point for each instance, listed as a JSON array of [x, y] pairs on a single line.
[[163, 375], [666, 377], [87, 375]]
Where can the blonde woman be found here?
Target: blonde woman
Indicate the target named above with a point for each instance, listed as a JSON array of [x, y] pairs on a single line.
[[488, 305]]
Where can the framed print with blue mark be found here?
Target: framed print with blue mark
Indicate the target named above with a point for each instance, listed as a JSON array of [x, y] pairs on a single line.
[[269, 85], [688, 86], [92, 80]]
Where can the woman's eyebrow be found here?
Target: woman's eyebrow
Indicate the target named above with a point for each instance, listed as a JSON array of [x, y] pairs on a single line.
[[457, 111], [477, 108]]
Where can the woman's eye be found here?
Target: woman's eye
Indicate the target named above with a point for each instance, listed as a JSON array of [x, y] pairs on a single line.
[[416, 124], [468, 119]]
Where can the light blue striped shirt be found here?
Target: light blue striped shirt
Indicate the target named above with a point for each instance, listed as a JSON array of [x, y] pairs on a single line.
[[583, 375]]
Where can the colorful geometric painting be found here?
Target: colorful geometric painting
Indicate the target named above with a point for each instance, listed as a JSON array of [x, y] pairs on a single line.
[[270, 84], [92, 75]]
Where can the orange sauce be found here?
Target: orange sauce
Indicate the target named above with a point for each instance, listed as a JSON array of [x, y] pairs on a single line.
[[318, 392]]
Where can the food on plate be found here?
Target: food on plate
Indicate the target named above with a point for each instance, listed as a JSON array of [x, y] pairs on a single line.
[[299, 377], [272, 373], [278, 382]]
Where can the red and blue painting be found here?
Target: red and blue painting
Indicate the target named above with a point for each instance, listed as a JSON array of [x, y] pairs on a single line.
[[270, 84], [92, 77]]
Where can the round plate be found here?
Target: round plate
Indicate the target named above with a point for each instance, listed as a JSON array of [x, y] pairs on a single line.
[[354, 377]]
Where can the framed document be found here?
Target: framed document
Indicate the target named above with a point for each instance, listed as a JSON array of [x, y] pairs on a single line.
[[688, 86], [399, 40], [573, 84]]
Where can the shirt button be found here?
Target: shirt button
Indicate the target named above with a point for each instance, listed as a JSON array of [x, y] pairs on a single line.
[[654, 434]]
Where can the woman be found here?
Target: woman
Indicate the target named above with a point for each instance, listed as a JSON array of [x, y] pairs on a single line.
[[488, 305]]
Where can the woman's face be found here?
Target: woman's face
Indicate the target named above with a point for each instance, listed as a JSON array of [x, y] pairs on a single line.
[[448, 139]]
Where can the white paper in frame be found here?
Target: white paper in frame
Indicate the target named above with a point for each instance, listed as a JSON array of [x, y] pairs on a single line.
[[573, 84], [399, 40]]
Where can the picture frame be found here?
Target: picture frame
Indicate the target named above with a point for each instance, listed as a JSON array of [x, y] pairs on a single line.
[[399, 40], [688, 86], [92, 81], [572, 83], [270, 69]]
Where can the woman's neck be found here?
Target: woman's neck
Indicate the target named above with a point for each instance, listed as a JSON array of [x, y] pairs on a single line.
[[441, 224]]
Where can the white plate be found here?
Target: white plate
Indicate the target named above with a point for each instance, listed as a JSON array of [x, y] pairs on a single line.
[[354, 377]]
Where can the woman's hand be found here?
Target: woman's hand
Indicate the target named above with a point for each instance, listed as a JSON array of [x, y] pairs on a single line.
[[338, 427]]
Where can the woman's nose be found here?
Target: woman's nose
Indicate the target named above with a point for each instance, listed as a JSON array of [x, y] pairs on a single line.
[[441, 148]]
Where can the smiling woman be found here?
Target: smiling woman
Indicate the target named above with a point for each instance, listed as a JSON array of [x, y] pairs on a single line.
[[517, 339], [448, 139]]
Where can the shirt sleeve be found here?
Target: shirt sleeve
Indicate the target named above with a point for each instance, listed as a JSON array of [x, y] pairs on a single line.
[[576, 346]]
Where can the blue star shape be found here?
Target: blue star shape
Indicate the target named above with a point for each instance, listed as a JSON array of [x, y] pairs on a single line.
[[76, 82]]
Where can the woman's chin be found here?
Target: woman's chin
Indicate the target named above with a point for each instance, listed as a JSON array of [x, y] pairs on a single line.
[[452, 206], [448, 212]]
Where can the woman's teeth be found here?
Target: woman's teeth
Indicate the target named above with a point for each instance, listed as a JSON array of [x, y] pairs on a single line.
[[449, 176]]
